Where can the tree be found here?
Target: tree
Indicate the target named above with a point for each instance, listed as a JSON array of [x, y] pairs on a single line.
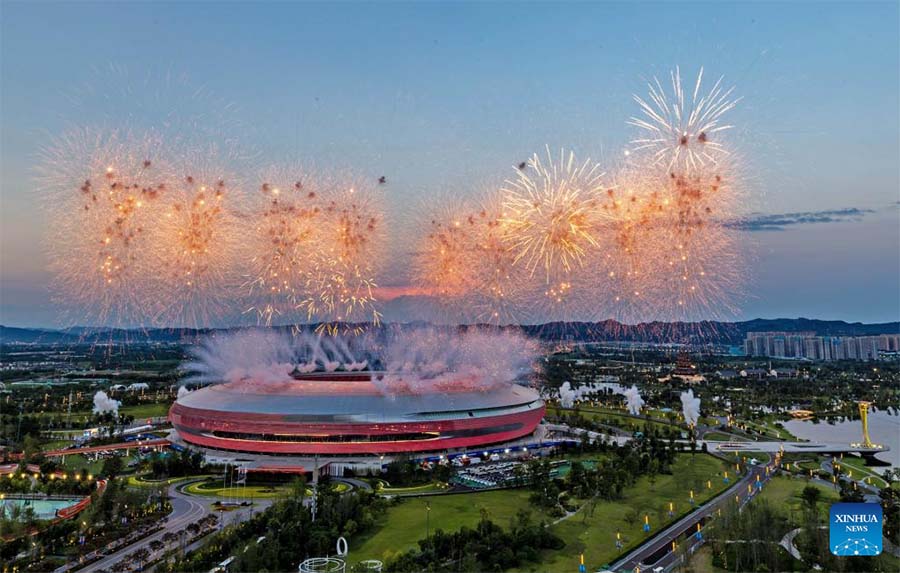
[[811, 496]]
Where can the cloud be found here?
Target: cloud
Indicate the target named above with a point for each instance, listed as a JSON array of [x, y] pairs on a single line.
[[780, 221]]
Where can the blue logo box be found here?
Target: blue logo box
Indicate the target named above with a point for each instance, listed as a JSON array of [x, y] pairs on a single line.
[[855, 529]]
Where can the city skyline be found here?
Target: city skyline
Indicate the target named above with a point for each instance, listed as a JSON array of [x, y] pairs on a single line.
[[451, 99]]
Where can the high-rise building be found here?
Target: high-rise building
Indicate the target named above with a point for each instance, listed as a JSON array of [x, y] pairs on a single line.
[[809, 346]]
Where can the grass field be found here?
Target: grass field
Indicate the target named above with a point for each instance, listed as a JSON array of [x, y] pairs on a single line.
[[404, 524], [595, 535], [78, 462], [150, 410], [154, 410], [860, 471], [617, 419], [784, 492], [215, 489]]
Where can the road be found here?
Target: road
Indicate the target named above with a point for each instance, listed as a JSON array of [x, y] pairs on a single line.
[[185, 510], [658, 551]]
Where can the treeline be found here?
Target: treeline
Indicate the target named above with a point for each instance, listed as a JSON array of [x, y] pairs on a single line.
[[279, 538], [617, 468], [488, 547], [169, 464]]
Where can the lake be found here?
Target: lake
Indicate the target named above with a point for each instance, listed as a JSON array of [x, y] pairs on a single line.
[[883, 429]]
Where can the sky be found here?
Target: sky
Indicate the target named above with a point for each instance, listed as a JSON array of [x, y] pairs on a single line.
[[444, 98]]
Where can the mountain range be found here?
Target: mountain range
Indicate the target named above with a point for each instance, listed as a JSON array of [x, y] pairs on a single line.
[[709, 332]]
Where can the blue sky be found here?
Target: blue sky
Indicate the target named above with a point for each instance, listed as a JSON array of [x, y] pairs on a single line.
[[444, 98]]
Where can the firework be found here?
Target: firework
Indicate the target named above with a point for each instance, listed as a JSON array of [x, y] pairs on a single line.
[[316, 250], [103, 192], [464, 263], [551, 214], [677, 258], [340, 288], [197, 239], [501, 284], [285, 237], [683, 134], [441, 263]]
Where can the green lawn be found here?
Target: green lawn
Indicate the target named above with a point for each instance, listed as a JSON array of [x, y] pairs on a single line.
[[404, 525], [595, 535], [860, 471], [154, 410], [215, 489], [618, 419], [785, 492], [78, 462]]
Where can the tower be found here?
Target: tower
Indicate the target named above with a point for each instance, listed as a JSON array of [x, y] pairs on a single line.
[[864, 418]]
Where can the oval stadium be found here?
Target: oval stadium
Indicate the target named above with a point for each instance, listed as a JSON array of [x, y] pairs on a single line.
[[354, 414]]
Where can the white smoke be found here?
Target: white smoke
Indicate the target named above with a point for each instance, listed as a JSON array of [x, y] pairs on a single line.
[[103, 403], [690, 407], [430, 359], [264, 355], [633, 400], [412, 360], [182, 391], [567, 395]]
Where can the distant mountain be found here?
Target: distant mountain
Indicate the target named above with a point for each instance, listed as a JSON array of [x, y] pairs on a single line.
[[654, 332]]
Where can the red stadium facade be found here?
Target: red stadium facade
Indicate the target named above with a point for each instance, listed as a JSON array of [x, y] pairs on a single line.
[[350, 414]]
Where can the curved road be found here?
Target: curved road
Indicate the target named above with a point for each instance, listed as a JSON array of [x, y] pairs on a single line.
[[185, 510]]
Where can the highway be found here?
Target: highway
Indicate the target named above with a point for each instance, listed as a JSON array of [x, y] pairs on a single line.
[[658, 551]]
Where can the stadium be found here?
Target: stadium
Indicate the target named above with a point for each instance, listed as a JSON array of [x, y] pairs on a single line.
[[359, 413]]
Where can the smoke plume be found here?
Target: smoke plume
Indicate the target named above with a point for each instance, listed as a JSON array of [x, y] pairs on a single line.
[[408, 360], [103, 403], [690, 407], [633, 400]]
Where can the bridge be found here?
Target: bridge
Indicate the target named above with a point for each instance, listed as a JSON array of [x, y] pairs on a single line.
[[136, 444], [795, 447]]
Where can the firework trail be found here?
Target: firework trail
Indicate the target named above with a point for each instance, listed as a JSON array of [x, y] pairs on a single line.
[[680, 133], [441, 263], [678, 258], [315, 250]]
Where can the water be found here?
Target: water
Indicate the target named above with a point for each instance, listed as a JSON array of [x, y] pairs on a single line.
[[43, 508], [883, 429]]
